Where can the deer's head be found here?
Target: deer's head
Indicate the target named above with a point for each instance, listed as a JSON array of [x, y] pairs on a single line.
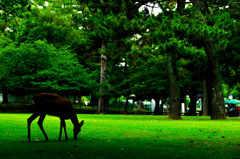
[[77, 129]]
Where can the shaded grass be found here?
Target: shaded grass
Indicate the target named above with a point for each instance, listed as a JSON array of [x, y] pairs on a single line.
[[80, 108], [122, 136]]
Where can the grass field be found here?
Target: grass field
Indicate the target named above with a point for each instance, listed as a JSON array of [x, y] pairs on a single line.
[[122, 136]]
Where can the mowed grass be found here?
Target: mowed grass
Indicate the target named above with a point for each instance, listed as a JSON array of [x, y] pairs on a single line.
[[122, 136]]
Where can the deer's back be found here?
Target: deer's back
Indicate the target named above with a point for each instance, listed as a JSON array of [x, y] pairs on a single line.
[[52, 104]]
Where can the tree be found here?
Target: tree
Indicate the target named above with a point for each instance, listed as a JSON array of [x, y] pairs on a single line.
[[161, 30], [103, 78], [11, 11], [52, 70], [150, 80], [48, 24], [234, 91], [228, 56], [111, 23], [94, 22], [209, 42], [191, 68], [4, 42], [209, 30]]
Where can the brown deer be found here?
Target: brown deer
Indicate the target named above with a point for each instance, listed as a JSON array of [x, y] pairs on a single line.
[[51, 104]]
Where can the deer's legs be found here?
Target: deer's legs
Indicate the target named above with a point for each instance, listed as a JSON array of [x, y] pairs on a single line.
[[66, 137], [63, 124], [40, 122], [29, 121], [60, 134]]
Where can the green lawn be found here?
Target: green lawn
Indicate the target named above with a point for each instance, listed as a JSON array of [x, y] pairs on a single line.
[[122, 136]]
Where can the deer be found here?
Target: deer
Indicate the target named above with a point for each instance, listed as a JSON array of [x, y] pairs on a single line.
[[52, 104]]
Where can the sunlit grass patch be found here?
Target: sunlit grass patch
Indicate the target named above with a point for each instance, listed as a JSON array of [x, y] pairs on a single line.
[[122, 136]]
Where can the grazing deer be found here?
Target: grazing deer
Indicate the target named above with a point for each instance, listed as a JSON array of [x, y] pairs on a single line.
[[51, 104]]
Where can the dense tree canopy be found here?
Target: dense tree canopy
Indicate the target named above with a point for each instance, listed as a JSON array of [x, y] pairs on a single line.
[[37, 67], [185, 48]]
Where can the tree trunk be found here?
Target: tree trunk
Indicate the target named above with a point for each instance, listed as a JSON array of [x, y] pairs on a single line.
[[205, 98], [174, 91], [180, 5], [93, 101], [193, 98], [162, 103], [5, 95], [218, 107], [174, 112], [74, 99], [156, 110], [103, 77], [126, 105], [185, 104], [126, 85], [79, 98]]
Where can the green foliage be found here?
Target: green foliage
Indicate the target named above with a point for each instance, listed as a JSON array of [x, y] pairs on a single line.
[[229, 57], [4, 41], [138, 43], [13, 8], [49, 25], [37, 67], [234, 91], [150, 78]]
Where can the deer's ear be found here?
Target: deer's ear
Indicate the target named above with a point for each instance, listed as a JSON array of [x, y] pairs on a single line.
[[81, 124]]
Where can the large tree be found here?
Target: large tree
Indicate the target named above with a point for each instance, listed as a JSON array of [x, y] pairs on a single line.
[[38, 67], [111, 25], [206, 29], [209, 37]]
